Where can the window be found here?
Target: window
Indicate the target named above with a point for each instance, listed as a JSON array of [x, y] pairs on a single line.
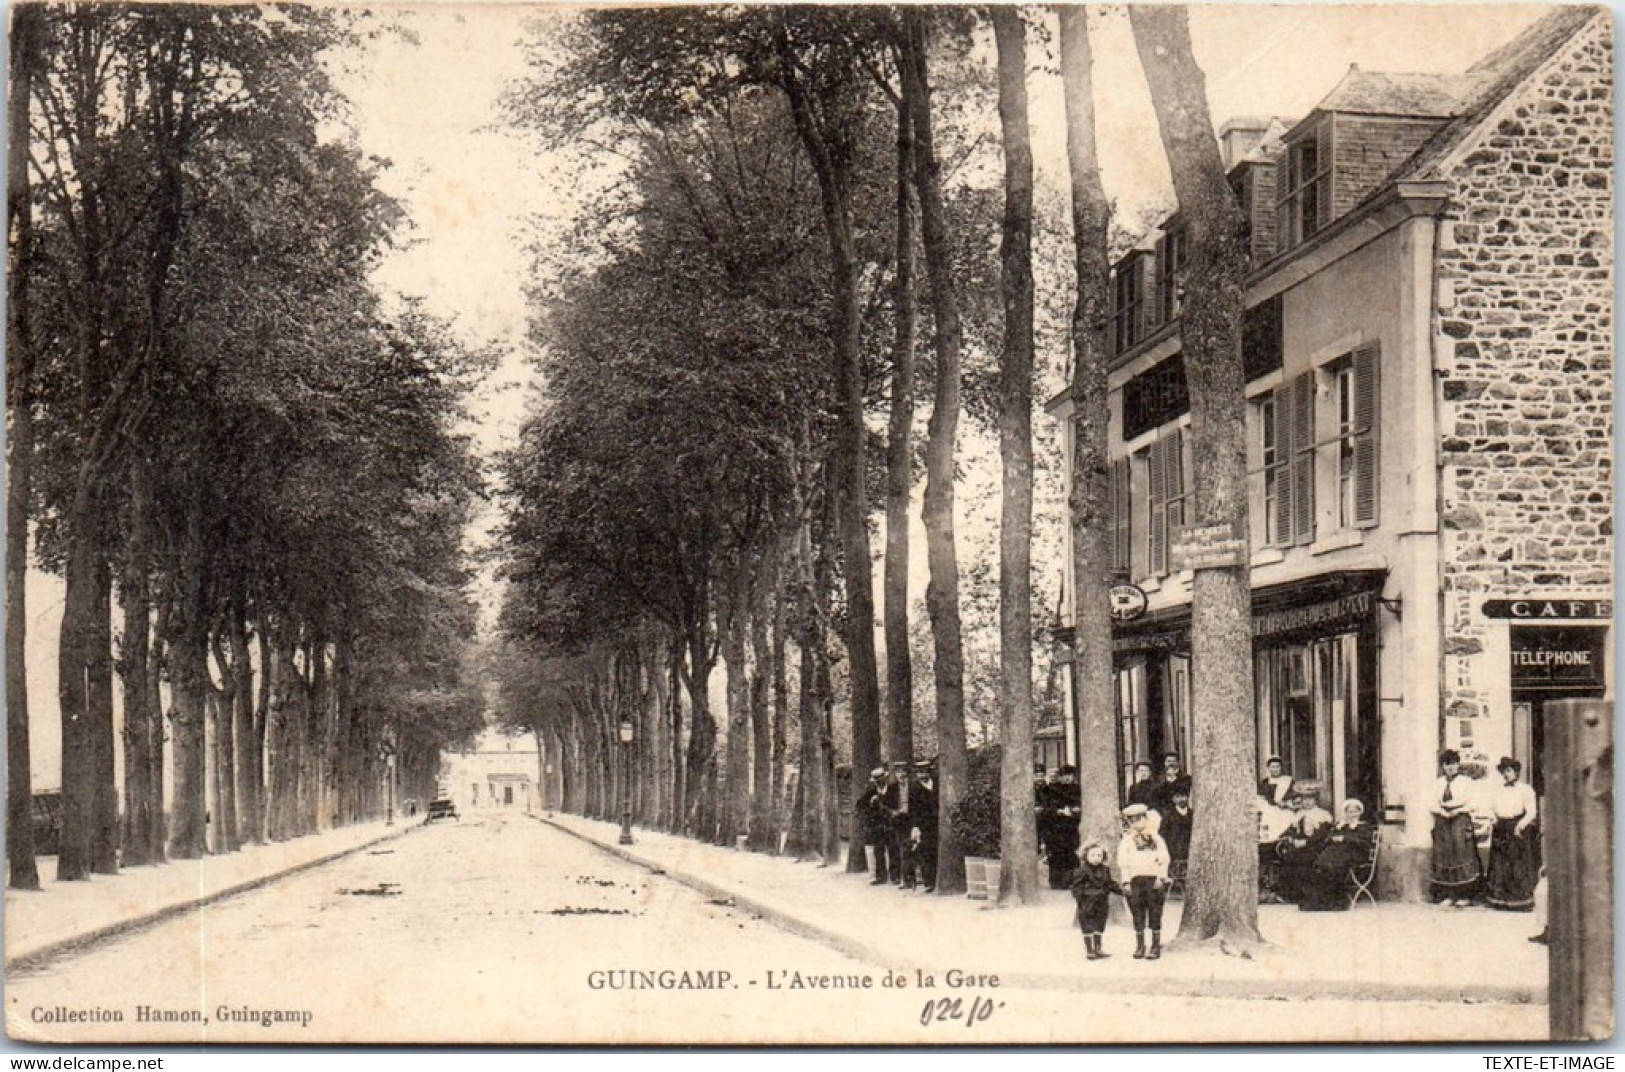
[[1133, 314], [1354, 388], [1273, 463], [1306, 202], [1171, 255], [1165, 462], [1286, 436]]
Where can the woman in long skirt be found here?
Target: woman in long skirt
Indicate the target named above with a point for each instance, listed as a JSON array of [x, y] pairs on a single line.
[[1457, 871], [1515, 843]]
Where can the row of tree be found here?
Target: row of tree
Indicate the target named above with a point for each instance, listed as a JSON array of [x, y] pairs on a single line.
[[698, 481], [239, 461]]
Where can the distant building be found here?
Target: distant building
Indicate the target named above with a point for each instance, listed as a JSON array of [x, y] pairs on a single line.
[[1428, 346], [498, 772]]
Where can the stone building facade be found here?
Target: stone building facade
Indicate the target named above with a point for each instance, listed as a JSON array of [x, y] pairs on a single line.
[[1525, 346], [1428, 351]]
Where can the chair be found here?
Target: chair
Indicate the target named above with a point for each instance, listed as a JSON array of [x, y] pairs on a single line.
[[1364, 875]]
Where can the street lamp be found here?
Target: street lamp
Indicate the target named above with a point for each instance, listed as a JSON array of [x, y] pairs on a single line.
[[626, 781]]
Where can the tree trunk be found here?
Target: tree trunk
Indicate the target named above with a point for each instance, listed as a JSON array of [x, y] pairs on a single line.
[[1221, 902], [700, 764], [250, 783], [99, 678], [73, 862], [899, 713], [763, 831], [779, 752], [189, 685], [1018, 877], [942, 593], [734, 627], [142, 733], [1094, 698], [24, 870]]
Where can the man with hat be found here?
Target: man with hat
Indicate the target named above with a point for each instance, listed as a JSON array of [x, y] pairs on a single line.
[[1173, 780], [1059, 804], [920, 840], [1142, 869], [876, 812]]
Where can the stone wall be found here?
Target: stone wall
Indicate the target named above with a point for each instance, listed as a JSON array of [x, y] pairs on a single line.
[[1525, 342]]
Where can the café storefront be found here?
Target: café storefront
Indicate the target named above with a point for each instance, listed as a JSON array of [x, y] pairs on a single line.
[[1315, 658]]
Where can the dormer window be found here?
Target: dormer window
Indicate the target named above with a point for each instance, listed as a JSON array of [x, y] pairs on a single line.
[[1133, 305], [1170, 273], [1306, 201]]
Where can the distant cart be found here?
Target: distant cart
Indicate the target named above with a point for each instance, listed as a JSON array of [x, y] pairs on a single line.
[[441, 809]]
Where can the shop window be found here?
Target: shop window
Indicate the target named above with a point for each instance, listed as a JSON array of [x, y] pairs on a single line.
[[1309, 714], [1306, 202]]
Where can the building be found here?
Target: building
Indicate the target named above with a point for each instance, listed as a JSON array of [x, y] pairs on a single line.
[[497, 772], [1429, 345]]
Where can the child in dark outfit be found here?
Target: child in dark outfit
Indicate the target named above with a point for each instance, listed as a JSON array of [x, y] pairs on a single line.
[[1092, 886]]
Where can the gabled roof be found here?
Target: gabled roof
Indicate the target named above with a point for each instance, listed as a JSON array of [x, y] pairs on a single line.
[[1498, 75], [1381, 93]]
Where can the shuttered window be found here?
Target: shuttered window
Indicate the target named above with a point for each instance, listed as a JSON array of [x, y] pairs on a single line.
[[1287, 436], [1356, 392], [1306, 193], [1166, 510], [1170, 273]]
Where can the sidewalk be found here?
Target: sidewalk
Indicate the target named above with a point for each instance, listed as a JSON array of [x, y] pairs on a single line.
[[1390, 952], [60, 916]]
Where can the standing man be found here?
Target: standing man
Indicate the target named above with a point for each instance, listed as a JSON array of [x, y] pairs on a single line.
[[902, 824], [1059, 805], [876, 810], [921, 850]]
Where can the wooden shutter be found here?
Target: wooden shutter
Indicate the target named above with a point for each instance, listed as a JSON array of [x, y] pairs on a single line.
[[1149, 319], [1366, 361], [1324, 148], [1284, 457], [1122, 519], [1302, 418], [1174, 459], [1157, 500]]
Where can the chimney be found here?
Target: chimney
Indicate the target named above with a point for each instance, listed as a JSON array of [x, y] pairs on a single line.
[[1240, 136]]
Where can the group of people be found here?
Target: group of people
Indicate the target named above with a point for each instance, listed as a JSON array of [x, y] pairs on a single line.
[[898, 813], [1512, 812]]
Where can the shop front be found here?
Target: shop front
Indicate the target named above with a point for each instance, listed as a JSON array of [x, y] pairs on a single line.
[[1315, 658]]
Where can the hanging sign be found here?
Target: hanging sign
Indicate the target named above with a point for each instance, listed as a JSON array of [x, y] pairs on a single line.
[[1127, 601]]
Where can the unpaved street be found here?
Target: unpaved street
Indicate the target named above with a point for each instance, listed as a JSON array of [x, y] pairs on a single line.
[[497, 928]]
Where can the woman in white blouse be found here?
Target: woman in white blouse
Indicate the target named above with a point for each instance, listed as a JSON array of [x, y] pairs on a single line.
[[1514, 842], [1457, 872]]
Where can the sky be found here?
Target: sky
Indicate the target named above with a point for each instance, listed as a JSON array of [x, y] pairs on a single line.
[[425, 94]]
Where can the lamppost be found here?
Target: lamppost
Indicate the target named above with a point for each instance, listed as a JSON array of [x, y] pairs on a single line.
[[626, 781]]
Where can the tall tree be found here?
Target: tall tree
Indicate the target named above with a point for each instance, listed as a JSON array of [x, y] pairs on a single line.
[[1018, 877], [899, 713], [1222, 899], [1094, 698], [942, 591], [25, 58]]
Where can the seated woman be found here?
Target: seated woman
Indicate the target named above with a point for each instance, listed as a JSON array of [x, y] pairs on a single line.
[[1299, 846], [1326, 884]]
